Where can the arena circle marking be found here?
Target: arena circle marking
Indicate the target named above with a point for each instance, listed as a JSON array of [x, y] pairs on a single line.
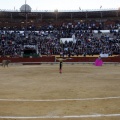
[[58, 100], [96, 115], [74, 116]]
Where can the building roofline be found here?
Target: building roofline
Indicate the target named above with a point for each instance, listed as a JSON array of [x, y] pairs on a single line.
[[84, 10]]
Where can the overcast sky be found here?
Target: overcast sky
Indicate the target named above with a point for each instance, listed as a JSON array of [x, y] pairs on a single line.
[[60, 4]]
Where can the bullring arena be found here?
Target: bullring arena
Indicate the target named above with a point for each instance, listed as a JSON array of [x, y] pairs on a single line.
[[81, 92], [32, 42]]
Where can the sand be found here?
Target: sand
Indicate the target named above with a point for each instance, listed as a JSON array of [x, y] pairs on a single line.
[[41, 91]]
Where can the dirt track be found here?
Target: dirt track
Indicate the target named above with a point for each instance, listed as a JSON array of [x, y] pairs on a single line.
[[43, 82]]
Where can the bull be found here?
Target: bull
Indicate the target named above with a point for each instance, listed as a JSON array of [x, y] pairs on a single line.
[[5, 63]]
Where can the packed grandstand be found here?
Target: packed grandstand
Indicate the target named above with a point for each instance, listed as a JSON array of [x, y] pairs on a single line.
[[73, 33]]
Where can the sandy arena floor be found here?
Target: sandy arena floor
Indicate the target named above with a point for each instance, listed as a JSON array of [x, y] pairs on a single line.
[[81, 92]]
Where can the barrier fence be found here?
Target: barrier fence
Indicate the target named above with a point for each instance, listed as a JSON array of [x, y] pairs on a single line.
[[49, 59]]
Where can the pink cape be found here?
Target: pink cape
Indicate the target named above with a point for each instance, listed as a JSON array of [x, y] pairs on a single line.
[[98, 62]]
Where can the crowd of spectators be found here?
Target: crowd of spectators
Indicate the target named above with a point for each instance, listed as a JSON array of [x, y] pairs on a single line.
[[47, 40]]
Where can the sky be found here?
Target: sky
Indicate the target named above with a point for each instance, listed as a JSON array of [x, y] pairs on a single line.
[[60, 4]]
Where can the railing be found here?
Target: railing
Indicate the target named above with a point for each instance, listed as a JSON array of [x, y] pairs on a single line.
[[52, 59]]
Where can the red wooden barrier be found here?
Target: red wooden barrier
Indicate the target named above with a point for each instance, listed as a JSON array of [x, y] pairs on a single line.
[[52, 59], [40, 59], [92, 59]]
